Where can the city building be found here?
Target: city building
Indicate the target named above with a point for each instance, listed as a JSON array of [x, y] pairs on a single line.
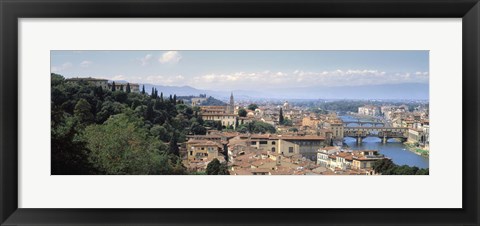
[[219, 113], [203, 150], [310, 121], [197, 100], [289, 145], [365, 159], [369, 110], [336, 126]]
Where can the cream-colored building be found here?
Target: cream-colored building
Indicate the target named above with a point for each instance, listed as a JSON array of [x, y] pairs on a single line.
[[203, 150], [287, 145], [227, 120], [94, 81], [369, 110], [219, 113], [336, 126], [198, 100], [365, 159], [310, 122]]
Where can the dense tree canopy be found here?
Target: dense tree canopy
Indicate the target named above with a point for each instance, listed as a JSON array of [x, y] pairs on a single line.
[[242, 112], [387, 167], [252, 107], [216, 168], [111, 131], [122, 145]]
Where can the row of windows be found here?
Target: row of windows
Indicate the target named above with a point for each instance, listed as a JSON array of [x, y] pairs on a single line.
[[262, 142], [210, 148]]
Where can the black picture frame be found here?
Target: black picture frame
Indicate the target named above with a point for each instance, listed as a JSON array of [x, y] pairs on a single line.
[[12, 10]]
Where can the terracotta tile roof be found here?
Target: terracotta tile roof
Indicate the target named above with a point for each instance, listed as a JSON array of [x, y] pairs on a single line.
[[306, 137]]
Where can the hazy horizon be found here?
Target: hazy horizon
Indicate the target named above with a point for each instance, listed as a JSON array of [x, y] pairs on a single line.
[[276, 74]]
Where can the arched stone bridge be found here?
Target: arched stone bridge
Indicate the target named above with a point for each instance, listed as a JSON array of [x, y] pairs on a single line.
[[362, 124], [383, 133]]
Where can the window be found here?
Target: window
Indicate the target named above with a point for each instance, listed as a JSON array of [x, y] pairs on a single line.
[[263, 142], [290, 149], [273, 149], [191, 152], [254, 143], [273, 142]]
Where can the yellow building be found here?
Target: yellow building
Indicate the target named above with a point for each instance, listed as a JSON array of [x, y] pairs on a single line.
[[336, 126], [310, 122], [227, 120], [203, 150], [219, 113], [365, 159], [307, 146]]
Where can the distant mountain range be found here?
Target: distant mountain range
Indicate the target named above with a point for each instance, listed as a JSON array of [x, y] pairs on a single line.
[[415, 91]]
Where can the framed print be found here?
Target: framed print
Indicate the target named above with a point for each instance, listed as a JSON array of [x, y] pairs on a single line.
[[228, 112]]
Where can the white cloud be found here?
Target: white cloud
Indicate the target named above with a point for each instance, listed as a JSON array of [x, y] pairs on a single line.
[[421, 73], [299, 78], [169, 80], [146, 59], [115, 77], [170, 57], [280, 79], [62, 67], [86, 63]]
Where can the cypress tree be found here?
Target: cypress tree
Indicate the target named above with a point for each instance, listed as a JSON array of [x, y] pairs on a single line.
[[128, 88], [149, 113], [161, 96], [153, 93], [175, 99], [143, 89], [280, 118], [156, 93], [121, 87], [113, 87], [173, 145]]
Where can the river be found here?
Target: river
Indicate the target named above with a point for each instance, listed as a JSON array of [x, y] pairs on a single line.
[[393, 149]]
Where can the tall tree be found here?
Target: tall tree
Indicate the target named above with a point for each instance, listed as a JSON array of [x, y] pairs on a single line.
[[143, 89], [174, 98], [156, 93], [242, 112], [280, 118], [113, 87], [121, 87], [214, 167], [149, 114], [152, 95], [252, 107], [122, 145], [161, 96], [128, 88], [83, 112], [173, 145]]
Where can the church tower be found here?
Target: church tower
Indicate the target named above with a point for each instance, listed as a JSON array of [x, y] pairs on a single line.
[[231, 106]]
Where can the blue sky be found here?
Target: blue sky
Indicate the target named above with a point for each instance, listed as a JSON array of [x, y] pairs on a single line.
[[229, 70]]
